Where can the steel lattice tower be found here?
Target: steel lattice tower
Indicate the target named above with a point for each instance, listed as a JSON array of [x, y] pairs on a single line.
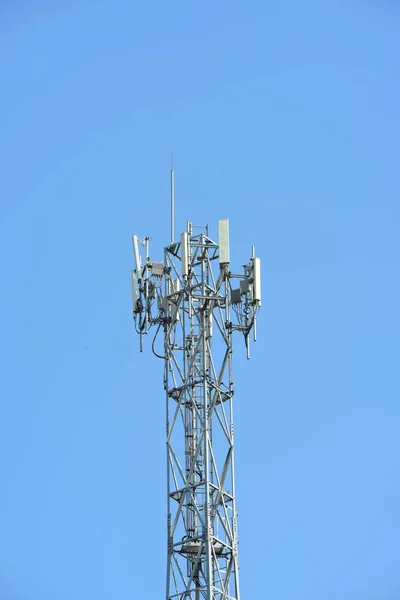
[[192, 305]]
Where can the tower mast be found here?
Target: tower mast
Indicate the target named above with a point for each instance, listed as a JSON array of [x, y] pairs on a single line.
[[192, 304]]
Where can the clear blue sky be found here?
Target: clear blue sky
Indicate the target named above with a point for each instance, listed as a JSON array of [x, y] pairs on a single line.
[[285, 117]]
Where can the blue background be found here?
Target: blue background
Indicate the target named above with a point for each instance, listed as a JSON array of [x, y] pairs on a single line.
[[283, 116]]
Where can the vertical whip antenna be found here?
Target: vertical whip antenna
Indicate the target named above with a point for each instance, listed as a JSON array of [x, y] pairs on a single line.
[[172, 198]]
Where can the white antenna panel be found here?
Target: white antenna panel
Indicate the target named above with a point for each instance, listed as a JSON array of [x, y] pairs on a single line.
[[256, 281], [174, 311], [138, 261], [185, 254], [175, 286], [223, 241]]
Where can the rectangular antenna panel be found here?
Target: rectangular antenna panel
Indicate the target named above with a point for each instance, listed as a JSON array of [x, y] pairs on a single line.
[[174, 308], [244, 286], [256, 281], [135, 295], [236, 297], [174, 286], [157, 269], [223, 241], [185, 254], [137, 256]]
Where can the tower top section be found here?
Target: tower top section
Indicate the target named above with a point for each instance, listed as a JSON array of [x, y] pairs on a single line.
[[157, 286]]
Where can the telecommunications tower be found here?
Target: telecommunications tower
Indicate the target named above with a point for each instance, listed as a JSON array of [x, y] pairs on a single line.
[[192, 304]]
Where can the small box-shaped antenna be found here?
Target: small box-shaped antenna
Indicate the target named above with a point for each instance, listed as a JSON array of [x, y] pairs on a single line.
[[138, 261], [223, 241], [236, 296], [256, 281], [185, 254], [157, 269], [244, 286]]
